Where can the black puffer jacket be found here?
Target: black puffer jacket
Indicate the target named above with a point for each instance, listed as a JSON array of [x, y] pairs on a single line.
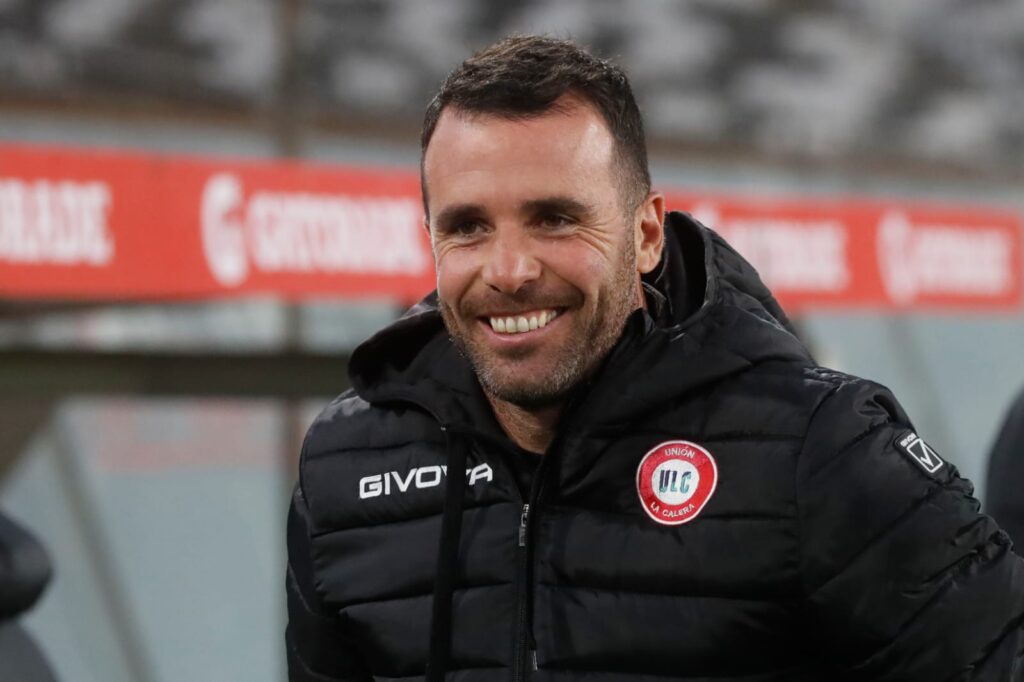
[[832, 544]]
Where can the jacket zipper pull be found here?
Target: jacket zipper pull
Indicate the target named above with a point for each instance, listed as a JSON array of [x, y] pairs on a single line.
[[523, 519], [533, 660]]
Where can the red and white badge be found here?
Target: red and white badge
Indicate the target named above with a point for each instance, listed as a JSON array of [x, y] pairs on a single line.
[[675, 480]]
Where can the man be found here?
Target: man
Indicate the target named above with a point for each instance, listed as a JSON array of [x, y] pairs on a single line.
[[598, 452]]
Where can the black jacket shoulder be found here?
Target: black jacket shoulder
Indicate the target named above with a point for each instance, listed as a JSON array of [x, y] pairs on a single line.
[[895, 556]]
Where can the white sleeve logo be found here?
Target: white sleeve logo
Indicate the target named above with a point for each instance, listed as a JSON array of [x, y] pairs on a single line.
[[918, 450]]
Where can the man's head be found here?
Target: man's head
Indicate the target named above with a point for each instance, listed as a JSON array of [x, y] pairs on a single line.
[[525, 76], [540, 212]]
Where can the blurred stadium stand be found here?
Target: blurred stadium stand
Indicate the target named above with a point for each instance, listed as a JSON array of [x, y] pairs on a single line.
[[151, 447], [914, 81]]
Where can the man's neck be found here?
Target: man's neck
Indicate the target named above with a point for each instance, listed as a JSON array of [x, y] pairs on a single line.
[[532, 430]]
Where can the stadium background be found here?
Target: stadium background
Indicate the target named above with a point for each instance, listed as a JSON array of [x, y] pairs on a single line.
[[151, 444]]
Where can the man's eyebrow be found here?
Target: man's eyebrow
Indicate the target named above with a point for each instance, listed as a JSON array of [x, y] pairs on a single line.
[[556, 204], [456, 212]]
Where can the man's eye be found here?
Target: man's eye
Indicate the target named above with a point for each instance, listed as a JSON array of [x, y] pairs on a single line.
[[555, 221], [467, 228]]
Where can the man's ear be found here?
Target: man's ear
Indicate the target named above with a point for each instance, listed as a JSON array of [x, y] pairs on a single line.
[[649, 236]]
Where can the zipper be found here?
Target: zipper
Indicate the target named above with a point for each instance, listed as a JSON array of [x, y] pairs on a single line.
[[525, 660], [524, 596], [524, 519], [525, 655]]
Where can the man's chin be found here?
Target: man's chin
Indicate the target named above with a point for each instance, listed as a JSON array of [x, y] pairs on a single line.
[[529, 396], [520, 376], [525, 386]]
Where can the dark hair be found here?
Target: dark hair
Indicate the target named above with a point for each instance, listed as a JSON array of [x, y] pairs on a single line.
[[524, 76]]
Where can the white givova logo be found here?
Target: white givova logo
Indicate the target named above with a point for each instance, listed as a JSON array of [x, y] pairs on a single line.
[[376, 485], [674, 482], [305, 233]]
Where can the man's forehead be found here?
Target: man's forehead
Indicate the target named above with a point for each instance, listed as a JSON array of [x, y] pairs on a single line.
[[569, 104], [569, 123], [572, 135]]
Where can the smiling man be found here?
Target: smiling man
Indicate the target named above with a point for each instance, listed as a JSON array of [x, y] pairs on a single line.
[[598, 452], [539, 236]]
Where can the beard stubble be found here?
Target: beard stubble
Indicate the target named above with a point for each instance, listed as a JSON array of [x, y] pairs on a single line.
[[589, 342]]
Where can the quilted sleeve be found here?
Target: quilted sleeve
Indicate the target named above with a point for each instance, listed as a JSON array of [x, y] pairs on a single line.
[[904, 578], [318, 650]]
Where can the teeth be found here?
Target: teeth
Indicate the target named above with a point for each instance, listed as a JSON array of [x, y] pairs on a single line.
[[522, 323]]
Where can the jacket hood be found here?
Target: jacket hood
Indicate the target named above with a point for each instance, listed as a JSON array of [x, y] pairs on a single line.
[[709, 316]]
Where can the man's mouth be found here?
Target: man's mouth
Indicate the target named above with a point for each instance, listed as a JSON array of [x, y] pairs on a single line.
[[522, 322]]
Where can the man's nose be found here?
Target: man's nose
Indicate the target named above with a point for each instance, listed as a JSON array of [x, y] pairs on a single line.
[[510, 262]]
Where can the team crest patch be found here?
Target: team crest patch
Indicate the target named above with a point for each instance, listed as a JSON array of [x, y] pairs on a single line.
[[914, 447], [675, 480]]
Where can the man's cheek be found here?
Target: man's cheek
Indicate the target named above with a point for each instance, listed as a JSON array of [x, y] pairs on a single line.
[[447, 284], [461, 291]]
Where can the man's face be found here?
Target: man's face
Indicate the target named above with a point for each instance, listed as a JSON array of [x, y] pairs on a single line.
[[536, 255]]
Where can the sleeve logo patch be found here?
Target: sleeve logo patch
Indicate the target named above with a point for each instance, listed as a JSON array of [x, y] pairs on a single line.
[[912, 445]]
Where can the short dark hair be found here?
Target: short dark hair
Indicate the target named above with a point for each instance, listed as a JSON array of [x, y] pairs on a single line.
[[524, 76]]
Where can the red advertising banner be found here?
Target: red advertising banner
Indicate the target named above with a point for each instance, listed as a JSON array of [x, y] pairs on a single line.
[[114, 225], [103, 225], [828, 253]]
